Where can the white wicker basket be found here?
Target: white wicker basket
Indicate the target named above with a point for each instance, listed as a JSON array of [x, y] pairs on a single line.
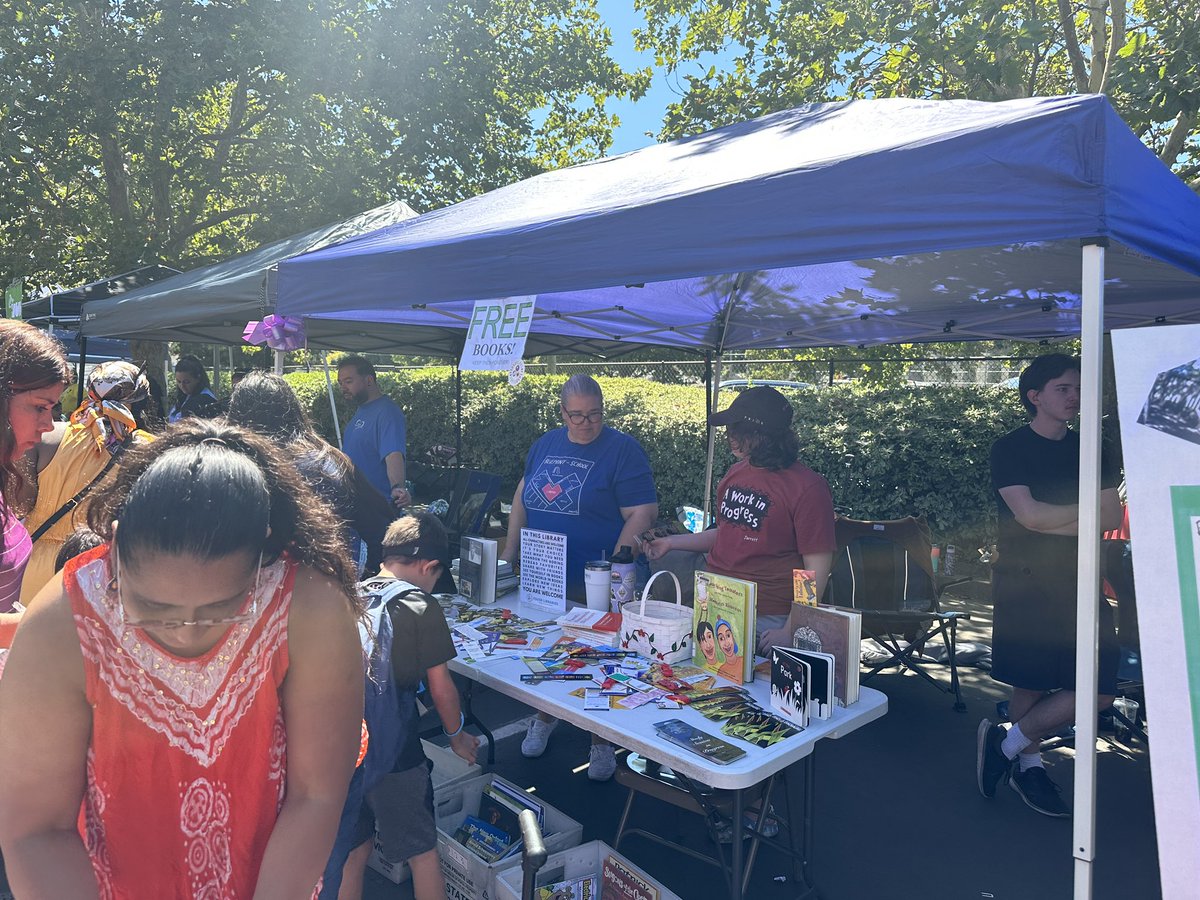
[[657, 630]]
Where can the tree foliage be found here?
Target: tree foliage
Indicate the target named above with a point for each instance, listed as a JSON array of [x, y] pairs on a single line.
[[184, 131], [1145, 55]]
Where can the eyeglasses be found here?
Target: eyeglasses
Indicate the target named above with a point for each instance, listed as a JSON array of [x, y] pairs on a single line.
[[578, 418], [249, 613]]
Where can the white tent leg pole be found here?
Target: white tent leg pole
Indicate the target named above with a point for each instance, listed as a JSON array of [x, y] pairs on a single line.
[[278, 362], [712, 445], [1087, 630], [337, 428]]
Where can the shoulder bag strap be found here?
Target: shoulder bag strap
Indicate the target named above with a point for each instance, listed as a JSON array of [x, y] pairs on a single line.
[[75, 501]]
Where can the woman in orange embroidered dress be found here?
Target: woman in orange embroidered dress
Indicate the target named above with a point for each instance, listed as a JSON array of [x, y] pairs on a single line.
[[186, 698]]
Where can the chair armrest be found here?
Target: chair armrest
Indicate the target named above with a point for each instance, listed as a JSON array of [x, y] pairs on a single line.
[[941, 582]]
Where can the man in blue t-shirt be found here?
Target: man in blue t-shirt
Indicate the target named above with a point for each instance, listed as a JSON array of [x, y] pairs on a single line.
[[374, 438], [593, 484]]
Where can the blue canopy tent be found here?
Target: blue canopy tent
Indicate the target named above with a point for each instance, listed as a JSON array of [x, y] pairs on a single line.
[[849, 223]]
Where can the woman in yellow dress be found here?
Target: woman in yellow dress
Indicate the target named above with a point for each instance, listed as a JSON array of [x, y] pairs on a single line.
[[71, 456]]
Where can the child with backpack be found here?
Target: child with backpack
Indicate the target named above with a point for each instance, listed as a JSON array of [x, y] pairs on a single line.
[[393, 792]]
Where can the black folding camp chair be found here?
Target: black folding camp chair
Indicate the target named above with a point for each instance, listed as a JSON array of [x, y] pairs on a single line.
[[883, 569]]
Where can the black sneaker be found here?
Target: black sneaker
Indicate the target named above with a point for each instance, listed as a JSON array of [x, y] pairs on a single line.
[[991, 765], [1039, 792]]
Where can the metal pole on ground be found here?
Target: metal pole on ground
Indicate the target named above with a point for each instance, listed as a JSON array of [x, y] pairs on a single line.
[[82, 370], [458, 416], [1087, 617], [713, 388], [278, 362], [337, 427]]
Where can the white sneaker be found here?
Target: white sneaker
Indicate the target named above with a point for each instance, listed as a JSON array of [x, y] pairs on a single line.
[[536, 737], [602, 762]]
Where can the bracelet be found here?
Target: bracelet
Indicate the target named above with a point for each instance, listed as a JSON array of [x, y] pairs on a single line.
[[462, 721]]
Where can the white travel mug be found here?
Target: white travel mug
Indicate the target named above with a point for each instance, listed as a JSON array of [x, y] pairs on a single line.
[[597, 582]]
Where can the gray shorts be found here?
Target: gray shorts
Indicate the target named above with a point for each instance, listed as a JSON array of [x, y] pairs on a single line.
[[400, 810]]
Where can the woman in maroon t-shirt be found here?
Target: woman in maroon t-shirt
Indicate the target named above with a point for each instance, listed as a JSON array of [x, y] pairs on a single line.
[[774, 514], [33, 373]]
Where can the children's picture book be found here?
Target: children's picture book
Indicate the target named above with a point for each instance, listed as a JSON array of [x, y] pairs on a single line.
[[699, 742], [804, 586], [486, 842], [723, 620], [821, 696], [517, 798], [495, 812], [477, 570], [830, 629], [619, 882], [583, 888], [790, 677]]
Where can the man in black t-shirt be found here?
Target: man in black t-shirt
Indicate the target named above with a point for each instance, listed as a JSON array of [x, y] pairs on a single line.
[[400, 807], [1035, 475]]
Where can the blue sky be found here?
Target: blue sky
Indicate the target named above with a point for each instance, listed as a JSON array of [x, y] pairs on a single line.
[[647, 113]]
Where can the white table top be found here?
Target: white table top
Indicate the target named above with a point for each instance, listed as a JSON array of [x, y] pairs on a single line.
[[633, 729]]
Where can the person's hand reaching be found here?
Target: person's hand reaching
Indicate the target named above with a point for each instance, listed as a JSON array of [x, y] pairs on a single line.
[[465, 745], [656, 548]]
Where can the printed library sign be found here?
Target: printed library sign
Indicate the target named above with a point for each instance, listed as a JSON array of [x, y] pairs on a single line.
[[544, 570], [1158, 393], [496, 335]]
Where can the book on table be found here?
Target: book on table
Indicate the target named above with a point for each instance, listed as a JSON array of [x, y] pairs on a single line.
[[619, 882], [699, 742], [723, 622], [477, 569], [790, 677], [836, 631]]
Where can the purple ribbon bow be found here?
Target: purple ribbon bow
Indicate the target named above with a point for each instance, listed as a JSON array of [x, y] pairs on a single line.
[[277, 332]]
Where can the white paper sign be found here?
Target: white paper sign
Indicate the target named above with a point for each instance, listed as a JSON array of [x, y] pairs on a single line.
[[496, 336], [544, 569], [1158, 392]]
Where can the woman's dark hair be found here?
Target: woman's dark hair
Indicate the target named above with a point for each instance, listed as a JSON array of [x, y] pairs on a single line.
[[765, 450], [149, 411], [264, 403], [1041, 371], [207, 489], [192, 366], [29, 360], [78, 541]]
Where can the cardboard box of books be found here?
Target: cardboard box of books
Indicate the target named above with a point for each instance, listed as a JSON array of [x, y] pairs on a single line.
[[449, 769], [478, 834], [593, 871]]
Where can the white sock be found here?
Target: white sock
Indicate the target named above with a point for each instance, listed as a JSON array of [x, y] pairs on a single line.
[[1030, 761], [1014, 742]]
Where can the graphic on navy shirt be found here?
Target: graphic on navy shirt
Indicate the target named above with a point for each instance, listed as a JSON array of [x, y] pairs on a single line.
[[744, 507], [556, 485]]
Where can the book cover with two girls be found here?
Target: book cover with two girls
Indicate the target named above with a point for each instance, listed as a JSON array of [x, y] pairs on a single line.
[[723, 620]]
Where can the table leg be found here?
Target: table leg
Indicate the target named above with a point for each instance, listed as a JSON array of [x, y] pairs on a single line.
[[470, 718], [736, 861]]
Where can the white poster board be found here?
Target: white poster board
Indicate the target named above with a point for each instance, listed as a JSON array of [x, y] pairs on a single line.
[[544, 570], [496, 336], [1158, 392]]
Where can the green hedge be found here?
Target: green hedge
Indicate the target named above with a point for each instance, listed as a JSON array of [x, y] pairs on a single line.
[[886, 451]]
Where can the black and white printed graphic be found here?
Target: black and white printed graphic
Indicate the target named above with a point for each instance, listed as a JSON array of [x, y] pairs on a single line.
[[747, 508], [556, 485]]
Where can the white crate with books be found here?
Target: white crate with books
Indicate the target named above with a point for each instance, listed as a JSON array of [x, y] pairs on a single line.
[[592, 871], [468, 875]]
